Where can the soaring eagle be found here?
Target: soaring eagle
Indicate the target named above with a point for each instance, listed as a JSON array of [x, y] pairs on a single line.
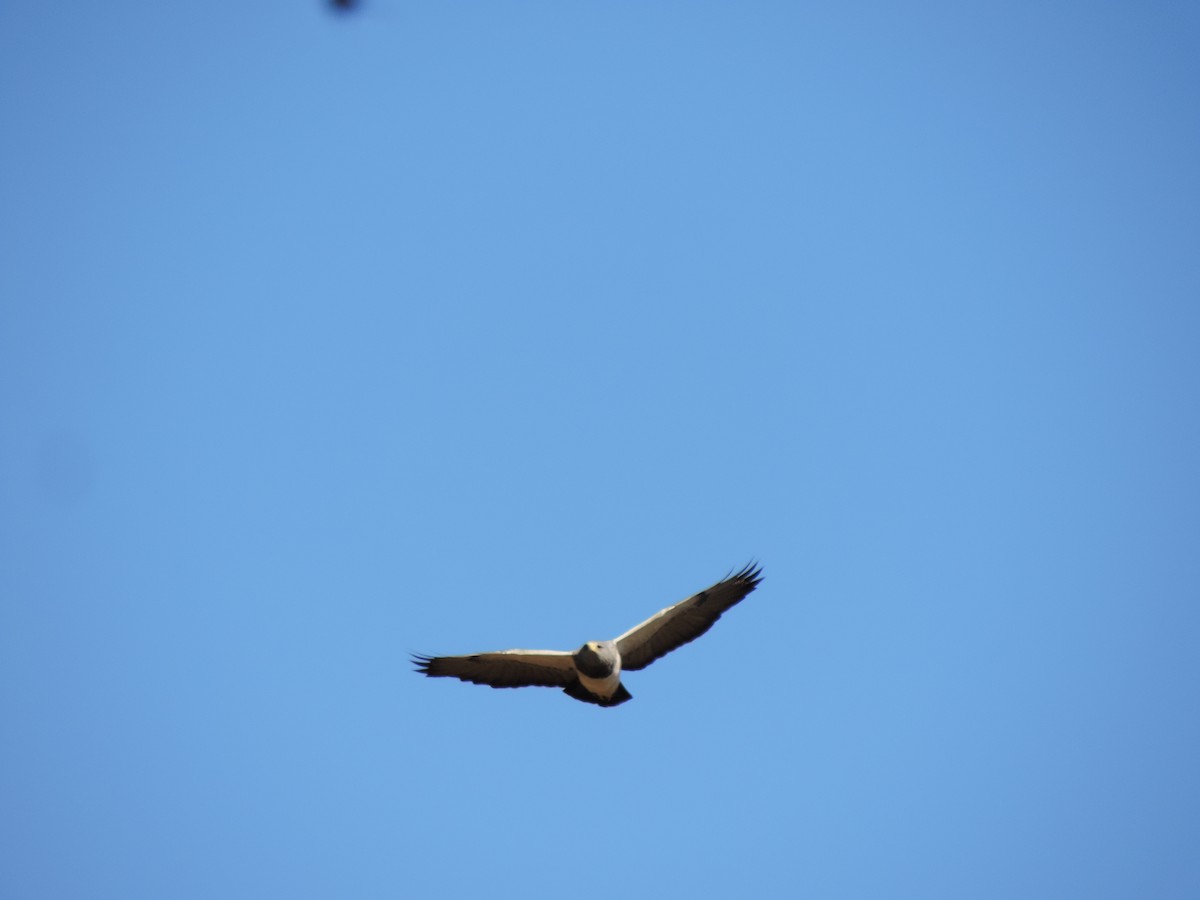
[[593, 672]]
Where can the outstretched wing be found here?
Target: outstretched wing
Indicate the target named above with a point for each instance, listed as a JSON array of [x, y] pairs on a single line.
[[504, 669], [685, 621]]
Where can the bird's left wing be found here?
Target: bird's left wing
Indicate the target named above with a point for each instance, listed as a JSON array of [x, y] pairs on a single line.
[[685, 621], [503, 669]]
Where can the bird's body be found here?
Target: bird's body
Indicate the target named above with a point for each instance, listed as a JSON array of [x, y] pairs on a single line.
[[592, 673], [598, 667]]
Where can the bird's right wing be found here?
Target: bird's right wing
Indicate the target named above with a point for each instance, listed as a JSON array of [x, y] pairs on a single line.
[[685, 621], [503, 669]]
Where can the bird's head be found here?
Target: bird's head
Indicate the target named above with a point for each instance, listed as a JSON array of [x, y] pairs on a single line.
[[596, 659]]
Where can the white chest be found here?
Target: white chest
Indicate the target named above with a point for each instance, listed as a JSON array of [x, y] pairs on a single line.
[[602, 687]]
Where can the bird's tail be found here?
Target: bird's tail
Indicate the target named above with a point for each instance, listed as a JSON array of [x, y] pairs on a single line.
[[579, 692]]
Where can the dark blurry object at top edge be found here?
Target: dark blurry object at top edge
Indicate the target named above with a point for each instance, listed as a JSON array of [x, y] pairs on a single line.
[[343, 5]]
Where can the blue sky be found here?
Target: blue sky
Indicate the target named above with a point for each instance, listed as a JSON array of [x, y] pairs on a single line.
[[448, 328]]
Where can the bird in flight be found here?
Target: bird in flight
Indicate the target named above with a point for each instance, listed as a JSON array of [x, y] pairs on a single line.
[[592, 673]]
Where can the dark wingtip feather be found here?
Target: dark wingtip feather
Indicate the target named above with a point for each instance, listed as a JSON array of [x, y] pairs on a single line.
[[751, 574], [421, 662]]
